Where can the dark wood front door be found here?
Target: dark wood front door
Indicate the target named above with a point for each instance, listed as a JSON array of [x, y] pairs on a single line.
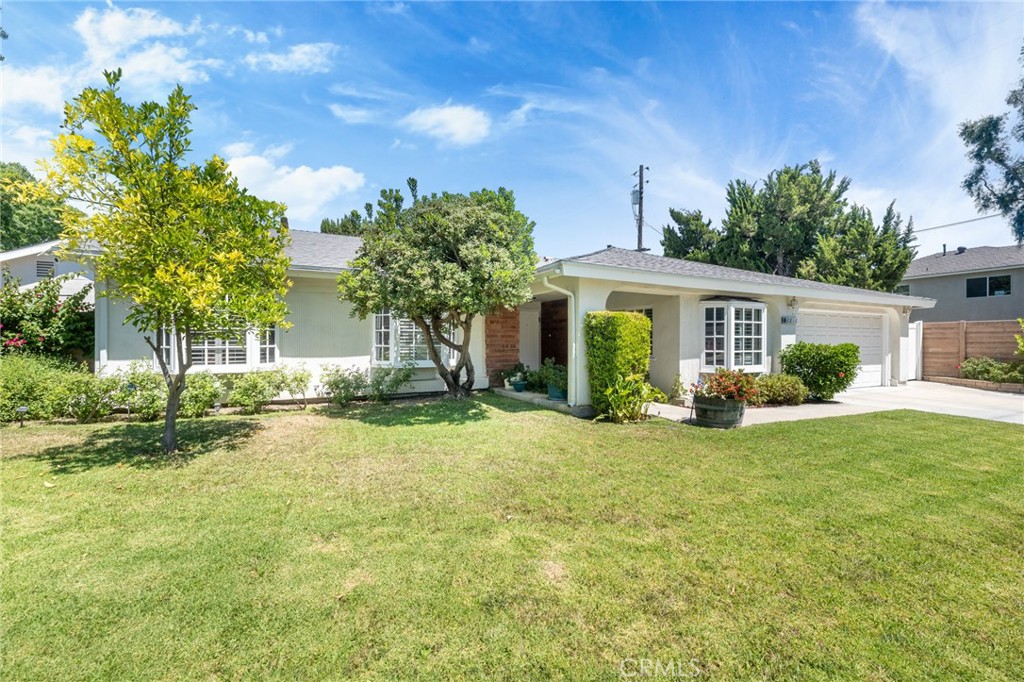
[[554, 331]]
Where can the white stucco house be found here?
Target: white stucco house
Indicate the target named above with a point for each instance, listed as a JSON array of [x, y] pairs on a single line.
[[704, 316]]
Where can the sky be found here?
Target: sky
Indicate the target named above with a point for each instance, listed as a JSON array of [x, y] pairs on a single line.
[[323, 105]]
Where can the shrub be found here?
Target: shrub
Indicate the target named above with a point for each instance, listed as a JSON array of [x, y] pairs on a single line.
[[253, 391], [32, 381], [825, 369], [987, 369], [202, 390], [628, 399], [86, 397], [1020, 337], [778, 389], [727, 384], [38, 321], [143, 391], [535, 381], [551, 373], [618, 344], [385, 382], [341, 386], [296, 382]]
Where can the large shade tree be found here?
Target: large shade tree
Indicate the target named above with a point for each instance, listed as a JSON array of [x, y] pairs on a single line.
[[181, 245], [442, 262], [995, 148], [29, 222]]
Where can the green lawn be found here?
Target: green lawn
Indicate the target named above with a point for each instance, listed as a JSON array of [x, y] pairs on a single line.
[[489, 540]]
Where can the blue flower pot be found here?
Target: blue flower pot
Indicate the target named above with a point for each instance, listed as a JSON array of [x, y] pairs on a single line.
[[555, 393]]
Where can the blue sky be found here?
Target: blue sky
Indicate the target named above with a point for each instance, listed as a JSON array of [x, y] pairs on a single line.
[[321, 105]]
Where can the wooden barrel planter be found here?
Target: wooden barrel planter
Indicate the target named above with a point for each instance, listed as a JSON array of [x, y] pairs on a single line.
[[718, 413]]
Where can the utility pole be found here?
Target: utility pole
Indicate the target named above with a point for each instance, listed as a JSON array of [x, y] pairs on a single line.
[[638, 201]]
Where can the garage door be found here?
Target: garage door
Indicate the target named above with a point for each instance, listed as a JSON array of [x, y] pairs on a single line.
[[863, 330]]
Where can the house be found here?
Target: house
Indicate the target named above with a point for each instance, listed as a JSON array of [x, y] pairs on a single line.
[[979, 283], [322, 329], [704, 316], [32, 264], [707, 316]]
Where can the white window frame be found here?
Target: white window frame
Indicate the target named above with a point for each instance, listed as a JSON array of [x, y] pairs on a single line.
[[387, 349], [730, 337], [252, 347]]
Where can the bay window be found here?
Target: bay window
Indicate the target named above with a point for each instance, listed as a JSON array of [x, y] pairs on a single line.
[[735, 335]]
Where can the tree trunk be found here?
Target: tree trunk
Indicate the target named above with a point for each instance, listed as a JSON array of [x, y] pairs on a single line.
[[432, 331], [169, 441]]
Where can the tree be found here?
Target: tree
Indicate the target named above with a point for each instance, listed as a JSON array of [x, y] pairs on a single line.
[[859, 254], [23, 224], [995, 149], [352, 224], [181, 245], [797, 223], [442, 262], [691, 237]]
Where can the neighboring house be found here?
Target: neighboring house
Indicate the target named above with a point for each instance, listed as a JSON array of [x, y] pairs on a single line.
[[704, 316], [977, 283], [32, 264], [707, 316]]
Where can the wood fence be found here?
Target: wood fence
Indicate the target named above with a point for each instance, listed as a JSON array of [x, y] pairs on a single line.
[[947, 344]]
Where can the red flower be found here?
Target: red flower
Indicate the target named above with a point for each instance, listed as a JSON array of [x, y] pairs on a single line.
[[842, 374]]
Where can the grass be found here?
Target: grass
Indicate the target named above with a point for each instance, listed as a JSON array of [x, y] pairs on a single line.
[[489, 540]]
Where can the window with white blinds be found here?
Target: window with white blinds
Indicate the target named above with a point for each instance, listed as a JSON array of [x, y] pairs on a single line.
[[210, 350], [398, 340]]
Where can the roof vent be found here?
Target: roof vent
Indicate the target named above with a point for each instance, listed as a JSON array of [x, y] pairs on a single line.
[[961, 249]]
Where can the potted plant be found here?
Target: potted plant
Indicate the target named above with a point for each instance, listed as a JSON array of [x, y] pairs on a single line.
[[557, 379], [515, 377], [720, 399]]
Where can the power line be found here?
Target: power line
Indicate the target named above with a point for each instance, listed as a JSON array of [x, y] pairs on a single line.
[[959, 222]]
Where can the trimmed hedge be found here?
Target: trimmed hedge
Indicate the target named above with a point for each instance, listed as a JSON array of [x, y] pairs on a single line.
[[618, 345], [778, 389], [825, 369]]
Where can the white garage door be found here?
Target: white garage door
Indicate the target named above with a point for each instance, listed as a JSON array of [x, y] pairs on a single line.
[[863, 330]]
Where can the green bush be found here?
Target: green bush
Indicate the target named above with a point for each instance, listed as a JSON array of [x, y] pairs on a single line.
[[535, 381], [825, 369], [40, 321], [296, 382], [341, 386], [628, 399], [86, 397], [202, 390], [618, 344], [386, 382], [32, 381], [778, 389], [143, 391], [987, 369], [253, 391]]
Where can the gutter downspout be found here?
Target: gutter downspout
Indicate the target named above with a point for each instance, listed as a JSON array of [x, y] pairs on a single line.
[[572, 338]]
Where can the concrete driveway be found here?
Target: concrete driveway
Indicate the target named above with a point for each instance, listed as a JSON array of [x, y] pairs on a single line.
[[916, 395]]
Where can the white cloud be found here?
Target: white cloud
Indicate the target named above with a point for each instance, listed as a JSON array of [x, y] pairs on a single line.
[[350, 114], [450, 123], [109, 34], [302, 58], [149, 70], [27, 144], [40, 86], [306, 191]]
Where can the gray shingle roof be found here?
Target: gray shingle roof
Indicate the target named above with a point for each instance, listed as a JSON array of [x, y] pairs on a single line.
[[625, 258], [317, 251], [972, 260]]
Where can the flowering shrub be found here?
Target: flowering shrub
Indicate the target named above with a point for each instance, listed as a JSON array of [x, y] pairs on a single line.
[[36, 320], [726, 383], [825, 369]]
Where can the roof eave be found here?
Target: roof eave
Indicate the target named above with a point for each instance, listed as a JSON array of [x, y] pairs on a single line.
[[640, 276], [971, 271]]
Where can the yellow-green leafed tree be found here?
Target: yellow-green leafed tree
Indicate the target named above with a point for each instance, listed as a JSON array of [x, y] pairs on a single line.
[[181, 245]]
